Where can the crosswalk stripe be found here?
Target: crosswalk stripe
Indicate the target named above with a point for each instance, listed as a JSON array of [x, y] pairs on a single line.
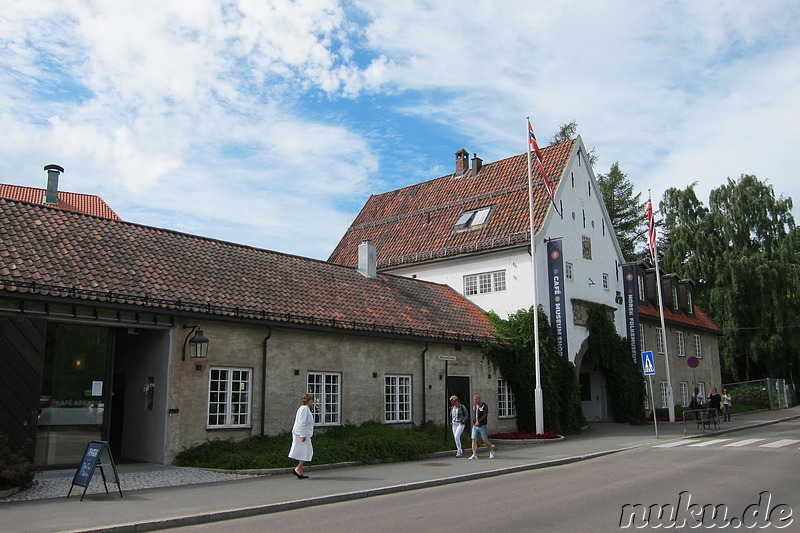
[[780, 443], [676, 443], [708, 443], [744, 442]]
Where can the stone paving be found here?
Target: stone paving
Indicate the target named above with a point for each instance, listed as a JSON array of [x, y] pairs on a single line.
[[56, 484]]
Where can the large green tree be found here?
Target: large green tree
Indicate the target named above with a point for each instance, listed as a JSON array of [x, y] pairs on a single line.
[[625, 208], [743, 252]]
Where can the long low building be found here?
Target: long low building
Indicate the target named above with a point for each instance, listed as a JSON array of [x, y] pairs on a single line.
[[156, 340]]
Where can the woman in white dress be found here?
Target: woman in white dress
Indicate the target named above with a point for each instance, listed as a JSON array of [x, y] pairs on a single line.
[[302, 431]]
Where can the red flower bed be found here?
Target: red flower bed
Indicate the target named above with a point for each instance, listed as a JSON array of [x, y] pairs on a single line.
[[521, 435]]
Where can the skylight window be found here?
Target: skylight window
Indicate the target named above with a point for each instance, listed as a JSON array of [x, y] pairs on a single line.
[[473, 218]]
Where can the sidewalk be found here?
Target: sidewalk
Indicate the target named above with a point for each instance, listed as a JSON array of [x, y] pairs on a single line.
[[157, 497]]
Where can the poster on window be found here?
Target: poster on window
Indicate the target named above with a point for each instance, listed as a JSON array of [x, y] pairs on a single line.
[[555, 279], [632, 312]]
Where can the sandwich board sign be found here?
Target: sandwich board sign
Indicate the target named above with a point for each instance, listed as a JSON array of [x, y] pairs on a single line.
[[97, 455], [648, 364]]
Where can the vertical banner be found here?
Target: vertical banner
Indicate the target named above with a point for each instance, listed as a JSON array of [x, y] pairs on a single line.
[[555, 279], [632, 312]]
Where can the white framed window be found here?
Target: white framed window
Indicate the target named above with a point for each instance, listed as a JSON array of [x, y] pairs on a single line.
[[675, 305], [325, 387], [702, 388], [485, 283], [568, 270], [640, 285], [698, 346], [660, 341], [397, 398], [605, 280], [689, 303], [642, 344], [228, 397], [505, 400], [685, 393], [473, 218], [681, 342], [664, 395]]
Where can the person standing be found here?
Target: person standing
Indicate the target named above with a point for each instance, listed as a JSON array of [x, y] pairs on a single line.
[[458, 417], [302, 451], [715, 401], [480, 414], [726, 405]]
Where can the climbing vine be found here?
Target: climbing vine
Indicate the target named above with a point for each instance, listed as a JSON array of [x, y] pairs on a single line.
[[516, 361]]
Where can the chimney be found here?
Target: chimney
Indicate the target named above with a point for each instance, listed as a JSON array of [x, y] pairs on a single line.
[[367, 262], [462, 162], [51, 195], [477, 163]]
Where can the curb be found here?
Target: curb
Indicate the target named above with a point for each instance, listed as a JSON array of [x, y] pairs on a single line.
[[219, 516]]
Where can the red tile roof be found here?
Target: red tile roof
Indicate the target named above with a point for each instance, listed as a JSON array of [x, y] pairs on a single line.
[[700, 320], [63, 254], [417, 223], [69, 201]]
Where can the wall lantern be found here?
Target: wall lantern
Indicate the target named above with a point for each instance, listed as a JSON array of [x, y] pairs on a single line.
[[198, 343]]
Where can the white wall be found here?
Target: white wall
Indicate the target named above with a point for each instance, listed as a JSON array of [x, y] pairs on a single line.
[[584, 215]]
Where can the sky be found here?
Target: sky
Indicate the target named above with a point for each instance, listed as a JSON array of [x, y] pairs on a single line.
[[270, 122]]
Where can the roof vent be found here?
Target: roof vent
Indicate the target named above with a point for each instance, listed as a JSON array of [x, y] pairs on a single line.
[[367, 259], [51, 195], [462, 162]]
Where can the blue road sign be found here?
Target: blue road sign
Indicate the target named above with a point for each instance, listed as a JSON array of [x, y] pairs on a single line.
[[648, 364]]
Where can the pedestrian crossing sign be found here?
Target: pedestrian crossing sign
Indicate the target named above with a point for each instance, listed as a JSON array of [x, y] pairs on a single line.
[[648, 363]]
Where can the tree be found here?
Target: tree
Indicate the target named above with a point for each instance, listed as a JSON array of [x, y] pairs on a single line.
[[567, 132], [743, 252], [625, 209]]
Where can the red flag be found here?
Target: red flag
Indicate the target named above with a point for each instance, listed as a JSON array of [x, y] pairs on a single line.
[[540, 162], [651, 228]]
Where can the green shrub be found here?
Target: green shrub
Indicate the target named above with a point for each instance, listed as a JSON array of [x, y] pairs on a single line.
[[366, 443], [16, 469]]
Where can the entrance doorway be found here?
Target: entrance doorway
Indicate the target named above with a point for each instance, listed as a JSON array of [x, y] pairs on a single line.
[[459, 385]]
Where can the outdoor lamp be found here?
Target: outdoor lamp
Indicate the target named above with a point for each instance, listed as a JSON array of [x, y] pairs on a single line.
[[198, 343]]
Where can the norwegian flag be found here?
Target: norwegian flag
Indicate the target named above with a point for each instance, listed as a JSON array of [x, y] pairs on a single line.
[[651, 229], [534, 146]]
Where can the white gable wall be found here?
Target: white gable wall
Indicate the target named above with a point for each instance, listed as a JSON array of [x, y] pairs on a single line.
[[584, 215]]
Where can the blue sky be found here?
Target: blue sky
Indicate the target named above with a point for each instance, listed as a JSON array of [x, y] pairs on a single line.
[[270, 122]]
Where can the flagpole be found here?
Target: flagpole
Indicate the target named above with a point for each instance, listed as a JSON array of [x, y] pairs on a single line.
[[538, 396], [670, 402]]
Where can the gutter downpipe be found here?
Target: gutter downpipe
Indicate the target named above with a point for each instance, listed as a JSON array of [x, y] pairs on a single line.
[[424, 392], [264, 379]]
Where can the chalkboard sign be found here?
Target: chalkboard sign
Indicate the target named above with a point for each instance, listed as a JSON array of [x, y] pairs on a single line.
[[97, 455]]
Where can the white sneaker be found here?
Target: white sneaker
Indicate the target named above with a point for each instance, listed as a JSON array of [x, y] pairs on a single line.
[[459, 454], [491, 455], [472, 457]]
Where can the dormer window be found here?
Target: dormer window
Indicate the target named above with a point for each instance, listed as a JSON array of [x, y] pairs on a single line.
[[473, 218]]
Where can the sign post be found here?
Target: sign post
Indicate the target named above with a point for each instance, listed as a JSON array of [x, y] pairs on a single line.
[[649, 368], [97, 455]]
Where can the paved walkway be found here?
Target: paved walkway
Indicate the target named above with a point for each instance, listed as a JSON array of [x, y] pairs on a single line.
[[156, 496]]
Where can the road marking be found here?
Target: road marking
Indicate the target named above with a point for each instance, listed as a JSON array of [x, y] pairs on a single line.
[[780, 443], [744, 442], [708, 443], [676, 443]]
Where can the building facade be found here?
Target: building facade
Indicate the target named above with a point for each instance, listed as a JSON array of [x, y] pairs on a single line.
[[156, 340]]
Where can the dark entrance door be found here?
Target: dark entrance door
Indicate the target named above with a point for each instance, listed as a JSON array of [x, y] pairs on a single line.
[[21, 362], [459, 385]]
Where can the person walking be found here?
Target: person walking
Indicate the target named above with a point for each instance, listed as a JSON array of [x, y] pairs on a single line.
[[726, 405], [458, 418], [302, 451], [480, 414]]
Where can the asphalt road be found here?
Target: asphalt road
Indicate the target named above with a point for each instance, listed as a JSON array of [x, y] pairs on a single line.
[[748, 476]]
